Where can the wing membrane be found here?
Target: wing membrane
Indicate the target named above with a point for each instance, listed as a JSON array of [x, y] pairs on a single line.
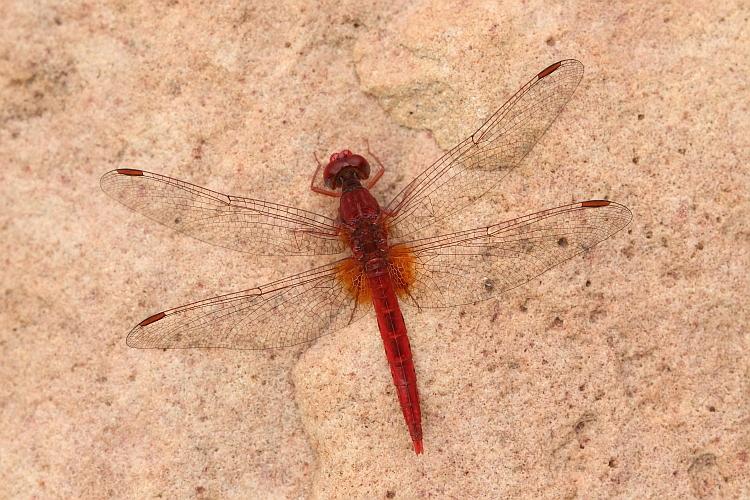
[[476, 165], [291, 311], [478, 264], [243, 224]]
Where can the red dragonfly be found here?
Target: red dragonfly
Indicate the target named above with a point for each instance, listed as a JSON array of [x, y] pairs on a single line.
[[383, 256]]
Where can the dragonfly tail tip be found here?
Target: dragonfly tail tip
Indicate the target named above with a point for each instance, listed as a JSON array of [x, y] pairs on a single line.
[[418, 447]]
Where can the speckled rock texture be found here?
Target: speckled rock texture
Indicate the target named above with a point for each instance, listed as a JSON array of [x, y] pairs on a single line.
[[624, 373]]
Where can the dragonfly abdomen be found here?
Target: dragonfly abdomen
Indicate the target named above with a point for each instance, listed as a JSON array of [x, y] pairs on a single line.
[[396, 344]]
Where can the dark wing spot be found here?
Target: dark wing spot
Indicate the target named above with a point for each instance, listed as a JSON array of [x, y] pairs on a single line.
[[549, 71], [595, 203], [152, 319], [129, 171]]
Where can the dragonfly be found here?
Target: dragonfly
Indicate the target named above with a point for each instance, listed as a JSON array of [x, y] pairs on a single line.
[[381, 258]]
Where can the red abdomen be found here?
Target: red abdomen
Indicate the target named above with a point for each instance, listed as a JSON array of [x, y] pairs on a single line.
[[397, 348]]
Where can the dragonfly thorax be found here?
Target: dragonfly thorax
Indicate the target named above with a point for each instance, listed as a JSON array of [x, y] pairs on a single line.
[[357, 204], [368, 240]]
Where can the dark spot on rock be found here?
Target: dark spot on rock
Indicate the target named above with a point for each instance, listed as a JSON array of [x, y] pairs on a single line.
[[562, 242], [597, 314], [705, 476], [628, 251]]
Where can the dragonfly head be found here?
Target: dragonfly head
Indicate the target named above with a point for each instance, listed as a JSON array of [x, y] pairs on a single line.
[[345, 165]]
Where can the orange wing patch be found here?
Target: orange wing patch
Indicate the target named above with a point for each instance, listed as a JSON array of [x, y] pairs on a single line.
[[402, 269], [351, 274]]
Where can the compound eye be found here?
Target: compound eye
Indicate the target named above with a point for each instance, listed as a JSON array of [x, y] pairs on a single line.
[[345, 165], [332, 171], [361, 165]]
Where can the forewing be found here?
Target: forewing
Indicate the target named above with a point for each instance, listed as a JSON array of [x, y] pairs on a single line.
[[243, 224], [292, 311], [478, 164], [475, 265]]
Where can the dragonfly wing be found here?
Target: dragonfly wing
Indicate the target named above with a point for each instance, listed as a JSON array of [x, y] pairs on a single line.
[[243, 224], [292, 311], [475, 265], [478, 164]]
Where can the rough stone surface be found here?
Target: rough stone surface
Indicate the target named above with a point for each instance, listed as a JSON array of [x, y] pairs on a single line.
[[621, 374]]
